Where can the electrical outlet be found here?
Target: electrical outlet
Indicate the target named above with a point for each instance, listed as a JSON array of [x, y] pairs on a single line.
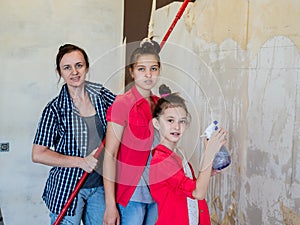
[[4, 147]]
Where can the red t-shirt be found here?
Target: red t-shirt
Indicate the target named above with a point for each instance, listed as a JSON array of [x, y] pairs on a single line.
[[170, 187], [133, 112]]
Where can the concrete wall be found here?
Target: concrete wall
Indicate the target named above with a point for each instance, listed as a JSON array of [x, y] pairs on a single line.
[[238, 62], [234, 61], [31, 32]]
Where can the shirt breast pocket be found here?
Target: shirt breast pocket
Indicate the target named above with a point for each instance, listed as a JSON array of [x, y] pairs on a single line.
[[140, 127]]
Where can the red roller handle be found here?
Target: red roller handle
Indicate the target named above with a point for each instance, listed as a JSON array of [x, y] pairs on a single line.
[[85, 174], [177, 17], [77, 188]]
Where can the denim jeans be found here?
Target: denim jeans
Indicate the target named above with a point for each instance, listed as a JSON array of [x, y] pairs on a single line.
[[90, 208], [138, 213]]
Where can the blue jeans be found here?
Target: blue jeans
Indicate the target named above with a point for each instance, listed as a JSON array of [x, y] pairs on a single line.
[[138, 213], [90, 208]]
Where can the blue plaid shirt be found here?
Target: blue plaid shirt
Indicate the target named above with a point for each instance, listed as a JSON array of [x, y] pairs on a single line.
[[62, 128]]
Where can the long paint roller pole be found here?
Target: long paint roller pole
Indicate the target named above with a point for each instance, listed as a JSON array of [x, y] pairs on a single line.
[[177, 17], [77, 188], [85, 174]]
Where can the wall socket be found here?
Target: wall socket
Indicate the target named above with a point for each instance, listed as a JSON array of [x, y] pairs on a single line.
[[4, 147]]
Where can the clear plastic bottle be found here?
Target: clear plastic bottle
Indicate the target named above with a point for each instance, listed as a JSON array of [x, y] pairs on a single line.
[[222, 159]]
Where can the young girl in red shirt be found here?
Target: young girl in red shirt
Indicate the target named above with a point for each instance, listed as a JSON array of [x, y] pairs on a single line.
[[179, 194]]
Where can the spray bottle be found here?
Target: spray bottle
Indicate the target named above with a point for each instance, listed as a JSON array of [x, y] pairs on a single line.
[[222, 158]]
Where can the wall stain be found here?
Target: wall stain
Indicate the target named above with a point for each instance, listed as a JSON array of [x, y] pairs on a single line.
[[289, 217], [249, 23], [230, 214]]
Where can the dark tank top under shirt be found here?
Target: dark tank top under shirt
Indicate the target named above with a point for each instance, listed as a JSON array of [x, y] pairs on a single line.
[[95, 136]]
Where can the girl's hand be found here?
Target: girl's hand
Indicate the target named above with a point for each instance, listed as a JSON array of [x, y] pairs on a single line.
[[89, 163], [216, 141], [212, 146], [215, 172], [111, 216]]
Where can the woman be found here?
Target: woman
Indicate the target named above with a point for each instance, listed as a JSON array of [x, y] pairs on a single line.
[[129, 140], [73, 125]]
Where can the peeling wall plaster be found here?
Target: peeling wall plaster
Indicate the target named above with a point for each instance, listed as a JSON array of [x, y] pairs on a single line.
[[289, 217], [248, 68], [215, 21], [249, 23]]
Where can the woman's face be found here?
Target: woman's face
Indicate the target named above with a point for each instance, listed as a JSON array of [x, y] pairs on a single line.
[[73, 69], [145, 73]]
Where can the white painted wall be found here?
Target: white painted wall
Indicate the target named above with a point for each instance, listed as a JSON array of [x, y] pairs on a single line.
[[31, 32]]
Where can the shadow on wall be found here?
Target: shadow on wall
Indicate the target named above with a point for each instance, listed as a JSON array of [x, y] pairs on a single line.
[[1, 218]]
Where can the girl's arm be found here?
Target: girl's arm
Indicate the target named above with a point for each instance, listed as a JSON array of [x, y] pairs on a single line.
[[212, 147], [114, 134], [44, 155]]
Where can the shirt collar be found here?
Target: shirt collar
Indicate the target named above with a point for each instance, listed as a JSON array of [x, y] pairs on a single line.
[[64, 98], [169, 153], [139, 99]]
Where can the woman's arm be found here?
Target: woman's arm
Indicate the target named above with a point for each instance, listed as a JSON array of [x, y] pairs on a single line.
[[114, 134], [212, 147], [44, 155]]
